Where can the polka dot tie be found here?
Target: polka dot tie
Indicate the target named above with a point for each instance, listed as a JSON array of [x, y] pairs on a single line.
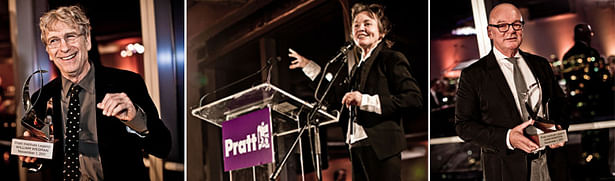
[[71, 144]]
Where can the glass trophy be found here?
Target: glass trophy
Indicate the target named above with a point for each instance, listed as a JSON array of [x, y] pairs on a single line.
[[39, 143], [544, 132]]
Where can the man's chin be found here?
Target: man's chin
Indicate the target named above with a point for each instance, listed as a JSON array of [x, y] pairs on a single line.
[[512, 45]]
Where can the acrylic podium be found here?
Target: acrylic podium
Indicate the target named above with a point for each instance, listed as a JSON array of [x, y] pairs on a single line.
[[258, 127]]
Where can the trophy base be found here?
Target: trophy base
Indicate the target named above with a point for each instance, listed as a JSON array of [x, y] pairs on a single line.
[[29, 148], [550, 138]]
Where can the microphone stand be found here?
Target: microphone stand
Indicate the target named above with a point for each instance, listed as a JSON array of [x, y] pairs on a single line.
[[310, 121], [352, 115]]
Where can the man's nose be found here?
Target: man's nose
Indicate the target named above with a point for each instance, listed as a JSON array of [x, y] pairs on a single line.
[[63, 45], [511, 30]]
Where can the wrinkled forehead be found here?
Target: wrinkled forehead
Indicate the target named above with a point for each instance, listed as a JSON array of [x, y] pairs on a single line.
[[57, 26]]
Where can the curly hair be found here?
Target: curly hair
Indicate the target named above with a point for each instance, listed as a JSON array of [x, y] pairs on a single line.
[[71, 15], [375, 11]]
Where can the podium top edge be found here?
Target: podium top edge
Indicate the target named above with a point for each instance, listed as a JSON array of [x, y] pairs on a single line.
[[196, 111]]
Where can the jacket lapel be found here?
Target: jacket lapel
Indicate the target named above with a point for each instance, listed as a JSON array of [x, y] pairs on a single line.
[[368, 66], [534, 68]]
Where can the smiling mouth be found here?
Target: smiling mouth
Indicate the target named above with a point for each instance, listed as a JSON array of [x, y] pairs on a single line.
[[69, 57]]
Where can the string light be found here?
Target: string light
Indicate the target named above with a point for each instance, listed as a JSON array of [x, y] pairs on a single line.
[[132, 49]]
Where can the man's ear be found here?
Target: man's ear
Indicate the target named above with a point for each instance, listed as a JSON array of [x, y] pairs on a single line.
[[489, 33], [88, 43]]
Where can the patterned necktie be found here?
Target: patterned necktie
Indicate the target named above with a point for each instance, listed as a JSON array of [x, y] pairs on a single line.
[[520, 86], [71, 145]]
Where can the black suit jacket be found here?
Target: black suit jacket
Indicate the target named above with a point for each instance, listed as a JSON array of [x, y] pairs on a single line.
[[485, 110], [121, 153], [386, 73]]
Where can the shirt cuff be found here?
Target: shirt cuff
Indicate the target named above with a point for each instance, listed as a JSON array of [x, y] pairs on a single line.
[[311, 70], [139, 123], [508, 140], [370, 103]]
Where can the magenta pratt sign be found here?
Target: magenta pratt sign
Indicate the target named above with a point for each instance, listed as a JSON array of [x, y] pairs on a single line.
[[247, 140]]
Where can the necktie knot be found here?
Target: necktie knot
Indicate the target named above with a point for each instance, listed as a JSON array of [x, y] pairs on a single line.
[[75, 89], [512, 59]]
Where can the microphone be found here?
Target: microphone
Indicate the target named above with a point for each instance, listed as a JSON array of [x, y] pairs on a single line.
[[343, 50], [270, 66], [273, 60]]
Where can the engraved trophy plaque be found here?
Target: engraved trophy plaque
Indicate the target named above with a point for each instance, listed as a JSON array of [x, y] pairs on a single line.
[[39, 143], [543, 132]]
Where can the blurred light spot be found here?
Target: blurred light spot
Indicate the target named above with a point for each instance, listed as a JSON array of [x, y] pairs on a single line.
[[203, 80], [329, 76], [462, 31], [471, 161], [6, 156]]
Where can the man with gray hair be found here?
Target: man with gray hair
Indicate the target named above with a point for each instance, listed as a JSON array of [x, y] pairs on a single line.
[[104, 117]]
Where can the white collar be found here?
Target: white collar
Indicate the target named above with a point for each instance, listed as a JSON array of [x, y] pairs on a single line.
[[501, 57], [369, 53]]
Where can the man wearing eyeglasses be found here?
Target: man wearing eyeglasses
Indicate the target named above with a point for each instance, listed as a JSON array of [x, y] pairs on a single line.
[[490, 110], [104, 118]]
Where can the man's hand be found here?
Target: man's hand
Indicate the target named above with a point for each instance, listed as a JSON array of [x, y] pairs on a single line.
[[519, 141], [300, 61], [352, 99], [27, 159], [118, 105]]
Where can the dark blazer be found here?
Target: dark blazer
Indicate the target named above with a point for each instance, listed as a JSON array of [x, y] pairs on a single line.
[[120, 152], [485, 110], [386, 73]]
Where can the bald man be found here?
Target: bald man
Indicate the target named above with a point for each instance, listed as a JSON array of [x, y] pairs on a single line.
[[490, 111]]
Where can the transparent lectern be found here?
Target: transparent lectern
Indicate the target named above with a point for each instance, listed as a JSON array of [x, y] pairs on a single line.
[[287, 115]]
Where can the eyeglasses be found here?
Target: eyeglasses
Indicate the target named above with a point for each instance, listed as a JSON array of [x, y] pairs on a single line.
[[69, 38], [504, 27]]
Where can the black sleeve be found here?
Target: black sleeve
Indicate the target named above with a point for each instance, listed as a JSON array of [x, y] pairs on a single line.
[[158, 141], [468, 116]]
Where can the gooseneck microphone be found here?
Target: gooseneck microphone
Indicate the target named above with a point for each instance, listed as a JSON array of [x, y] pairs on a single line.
[[343, 50]]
